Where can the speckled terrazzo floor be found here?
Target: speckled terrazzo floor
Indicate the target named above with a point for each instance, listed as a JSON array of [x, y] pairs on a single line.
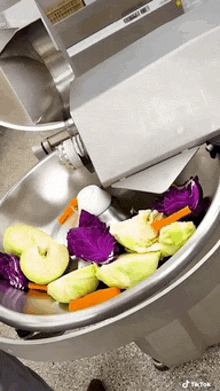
[[124, 369]]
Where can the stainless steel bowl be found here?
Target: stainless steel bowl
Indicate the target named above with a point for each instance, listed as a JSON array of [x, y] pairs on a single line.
[[167, 304]]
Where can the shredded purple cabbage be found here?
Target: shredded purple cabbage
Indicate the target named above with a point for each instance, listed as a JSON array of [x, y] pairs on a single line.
[[91, 241], [177, 198], [11, 271]]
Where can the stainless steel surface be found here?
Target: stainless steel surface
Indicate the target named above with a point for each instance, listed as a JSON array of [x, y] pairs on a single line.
[[125, 368], [191, 4], [33, 58], [173, 326], [159, 177], [20, 13], [113, 214], [19, 105], [173, 316], [3, 21], [49, 48], [160, 106], [107, 33], [6, 36], [93, 18], [49, 187], [7, 3]]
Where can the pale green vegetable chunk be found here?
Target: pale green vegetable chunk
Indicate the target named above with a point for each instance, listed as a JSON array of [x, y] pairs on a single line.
[[74, 285], [43, 265], [136, 234], [42, 259], [174, 236], [128, 270], [19, 237]]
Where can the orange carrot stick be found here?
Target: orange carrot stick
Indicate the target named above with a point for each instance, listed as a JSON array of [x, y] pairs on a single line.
[[158, 225], [94, 298], [74, 203], [69, 211], [38, 294], [37, 287]]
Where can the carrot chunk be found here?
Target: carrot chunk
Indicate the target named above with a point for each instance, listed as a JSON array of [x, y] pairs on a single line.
[[158, 225], [69, 211], [38, 294], [95, 298], [37, 287], [74, 203]]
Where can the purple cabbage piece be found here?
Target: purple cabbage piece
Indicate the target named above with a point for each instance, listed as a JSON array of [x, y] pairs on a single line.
[[11, 271], [91, 241], [89, 220], [91, 244], [177, 198], [13, 299]]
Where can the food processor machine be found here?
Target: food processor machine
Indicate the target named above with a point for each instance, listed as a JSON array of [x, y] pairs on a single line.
[[130, 93]]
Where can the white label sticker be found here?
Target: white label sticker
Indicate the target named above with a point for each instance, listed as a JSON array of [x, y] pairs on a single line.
[[148, 8]]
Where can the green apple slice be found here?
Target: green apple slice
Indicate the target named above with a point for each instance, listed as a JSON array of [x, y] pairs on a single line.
[[44, 264], [74, 285], [19, 237]]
